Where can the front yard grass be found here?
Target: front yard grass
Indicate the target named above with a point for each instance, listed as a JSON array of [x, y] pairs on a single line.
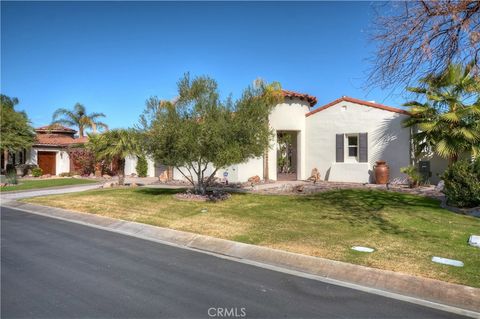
[[405, 230], [44, 183]]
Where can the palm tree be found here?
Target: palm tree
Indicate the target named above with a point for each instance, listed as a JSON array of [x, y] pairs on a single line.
[[115, 145], [78, 117], [448, 123]]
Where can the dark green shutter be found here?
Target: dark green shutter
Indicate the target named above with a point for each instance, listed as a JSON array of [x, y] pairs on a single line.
[[339, 148], [363, 147]]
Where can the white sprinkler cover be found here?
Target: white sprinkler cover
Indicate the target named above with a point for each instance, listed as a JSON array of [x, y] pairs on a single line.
[[446, 261], [474, 240], [363, 249]]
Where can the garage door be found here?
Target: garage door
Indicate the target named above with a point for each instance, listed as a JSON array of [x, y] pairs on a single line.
[[47, 162]]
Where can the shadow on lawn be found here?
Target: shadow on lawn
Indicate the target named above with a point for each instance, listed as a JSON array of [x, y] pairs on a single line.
[[365, 207]]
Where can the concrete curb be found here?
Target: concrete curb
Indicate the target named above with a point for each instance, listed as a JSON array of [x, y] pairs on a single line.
[[433, 293]]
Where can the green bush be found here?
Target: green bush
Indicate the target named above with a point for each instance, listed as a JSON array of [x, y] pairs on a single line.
[[462, 183], [11, 176], [37, 172], [66, 174], [414, 176], [142, 166]]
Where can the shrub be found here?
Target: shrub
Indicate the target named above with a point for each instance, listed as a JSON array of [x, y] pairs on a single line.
[[414, 176], [462, 183], [66, 174], [11, 176], [37, 172], [142, 166], [83, 160]]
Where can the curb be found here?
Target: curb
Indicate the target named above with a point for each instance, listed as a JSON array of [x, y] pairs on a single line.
[[433, 293]]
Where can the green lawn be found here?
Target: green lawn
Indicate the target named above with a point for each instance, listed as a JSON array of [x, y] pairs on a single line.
[[43, 183], [405, 230]]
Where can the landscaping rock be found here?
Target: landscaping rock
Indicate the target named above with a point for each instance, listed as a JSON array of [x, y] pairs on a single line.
[[77, 176], [314, 176], [107, 176], [133, 185], [254, 179], [440, 186], [163, 178], [107, 185], [474, 241], [211, 196]]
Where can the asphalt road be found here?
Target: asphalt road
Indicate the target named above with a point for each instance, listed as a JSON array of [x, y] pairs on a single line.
[[57, 269]]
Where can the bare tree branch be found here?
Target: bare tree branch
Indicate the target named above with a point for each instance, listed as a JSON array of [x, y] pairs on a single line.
[[416, 38]]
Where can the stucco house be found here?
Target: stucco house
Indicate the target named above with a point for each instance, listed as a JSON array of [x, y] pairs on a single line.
[[342, 139], [50, 151]]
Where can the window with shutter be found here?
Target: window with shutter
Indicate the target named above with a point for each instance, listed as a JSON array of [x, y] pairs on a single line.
[[363, 147], [339, 152]]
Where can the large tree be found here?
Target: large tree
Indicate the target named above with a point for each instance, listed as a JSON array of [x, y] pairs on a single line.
[[199, 133], [417, 38], [447, 120], [115, 145], [78, 117], [16, 132]]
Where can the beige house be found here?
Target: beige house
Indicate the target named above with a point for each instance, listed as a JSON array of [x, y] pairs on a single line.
[[342, 139]]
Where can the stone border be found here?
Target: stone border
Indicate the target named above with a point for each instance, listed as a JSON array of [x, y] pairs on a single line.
[[433, 293]]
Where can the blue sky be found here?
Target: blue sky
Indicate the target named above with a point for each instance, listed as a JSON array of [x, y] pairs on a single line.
[[112, 56]]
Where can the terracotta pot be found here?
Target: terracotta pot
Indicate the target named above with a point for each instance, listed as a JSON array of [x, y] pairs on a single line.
[[382, 172]]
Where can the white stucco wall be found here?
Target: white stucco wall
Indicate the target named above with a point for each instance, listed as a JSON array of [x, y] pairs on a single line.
[[131, 166], [289, 116], [387, 140], [62, 159]]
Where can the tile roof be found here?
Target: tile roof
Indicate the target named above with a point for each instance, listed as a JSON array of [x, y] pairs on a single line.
[[312, 100], [58, 140], [53, 128], [361, 102]]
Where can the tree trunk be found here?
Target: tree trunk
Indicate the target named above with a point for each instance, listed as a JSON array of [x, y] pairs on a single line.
[[452, 159], [5, 160], [80, 130], [121, 172], [98, 169], [265, 166]]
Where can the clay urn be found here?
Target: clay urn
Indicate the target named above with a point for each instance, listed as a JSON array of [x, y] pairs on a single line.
[[382, 172]]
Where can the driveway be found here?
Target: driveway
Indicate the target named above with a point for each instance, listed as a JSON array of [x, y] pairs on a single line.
[[53, 268]]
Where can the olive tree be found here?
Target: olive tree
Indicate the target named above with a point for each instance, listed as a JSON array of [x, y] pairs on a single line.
[[199, 132]]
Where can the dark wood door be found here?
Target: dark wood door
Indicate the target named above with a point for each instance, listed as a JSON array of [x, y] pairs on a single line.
[[47, 162]]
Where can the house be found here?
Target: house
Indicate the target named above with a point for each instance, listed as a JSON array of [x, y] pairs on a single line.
[[50, 151], [342, 139]]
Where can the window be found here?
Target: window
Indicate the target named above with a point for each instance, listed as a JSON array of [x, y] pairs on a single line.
[[352, 145]]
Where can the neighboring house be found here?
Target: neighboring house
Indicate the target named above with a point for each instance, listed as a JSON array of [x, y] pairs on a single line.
[[50, 151], [342, 139]]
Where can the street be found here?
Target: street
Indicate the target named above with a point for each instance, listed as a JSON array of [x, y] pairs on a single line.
[[57, 269]]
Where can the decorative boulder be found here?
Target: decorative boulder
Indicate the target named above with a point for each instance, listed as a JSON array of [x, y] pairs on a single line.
[[254, 179], [133, 185], [440, 186], [163, 178], [107, 176], [314, 176]]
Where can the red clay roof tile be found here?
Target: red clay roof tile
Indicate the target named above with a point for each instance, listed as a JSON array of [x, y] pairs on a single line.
[[361, 102]]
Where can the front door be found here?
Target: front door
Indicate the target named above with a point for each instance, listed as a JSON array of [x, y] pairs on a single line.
[[47, 162]]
